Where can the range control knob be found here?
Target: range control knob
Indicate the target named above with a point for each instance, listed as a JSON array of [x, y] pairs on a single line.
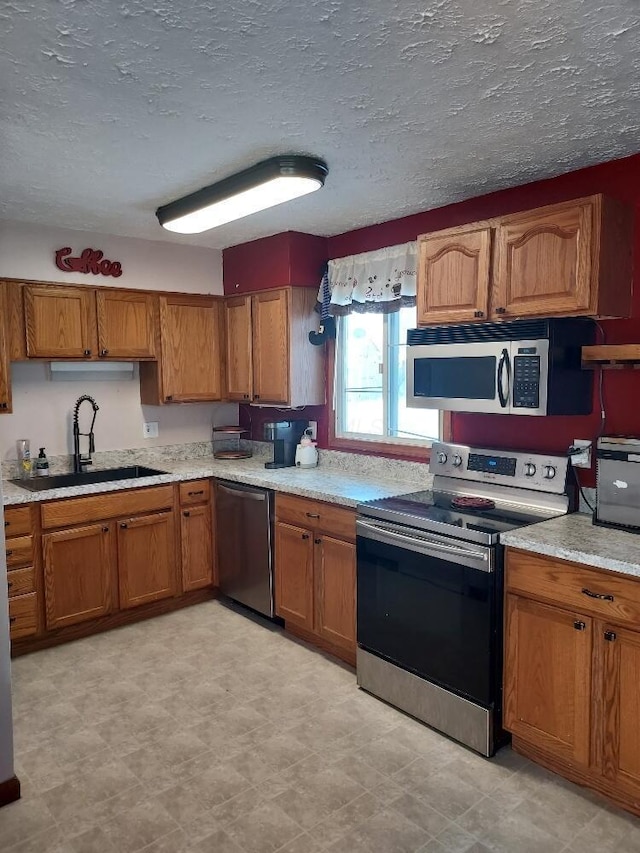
[[548, 472], [529, 469], [456, 461], [442, 457]]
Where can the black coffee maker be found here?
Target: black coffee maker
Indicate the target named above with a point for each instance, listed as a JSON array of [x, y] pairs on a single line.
[[285, 436]]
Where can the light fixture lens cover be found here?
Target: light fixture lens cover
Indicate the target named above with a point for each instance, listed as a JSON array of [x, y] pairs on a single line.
[[262, 186]]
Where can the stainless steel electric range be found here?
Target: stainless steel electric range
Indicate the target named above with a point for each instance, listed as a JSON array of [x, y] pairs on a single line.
[[430, 585]]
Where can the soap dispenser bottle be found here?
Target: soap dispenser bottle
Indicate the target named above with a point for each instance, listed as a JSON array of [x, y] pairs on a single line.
[[42, 464]]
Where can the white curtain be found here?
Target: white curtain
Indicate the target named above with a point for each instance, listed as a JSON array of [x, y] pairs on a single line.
[[382, 281]]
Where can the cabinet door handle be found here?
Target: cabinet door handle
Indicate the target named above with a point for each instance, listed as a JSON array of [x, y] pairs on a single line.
[[257, 396], [3, 405], [6, 524], [312, 514], [123, 524], [601, 596], [201, 492], [169, 397], [500, 310], [12, 619], [105, 529], [87, 352], [9, 553], [305, 535], [478, 313], [9, 584], [186, 513], [579, 626], [318, 541], [104, 352], [610, 636]]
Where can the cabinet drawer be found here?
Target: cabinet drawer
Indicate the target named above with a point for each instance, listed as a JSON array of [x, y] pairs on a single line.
[[302, 512], [19, 551], [109, 505], [195, 492], [23, 617], [21, 581], [17, 520], [574, 586]]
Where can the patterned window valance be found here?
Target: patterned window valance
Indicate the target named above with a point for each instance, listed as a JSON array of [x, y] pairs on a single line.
[[382, 281]]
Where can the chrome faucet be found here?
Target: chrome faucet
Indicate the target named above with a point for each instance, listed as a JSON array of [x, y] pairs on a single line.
[[80, 462]]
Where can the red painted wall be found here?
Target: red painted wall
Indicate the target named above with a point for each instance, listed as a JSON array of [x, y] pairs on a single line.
[[619, 178], [290, 258]]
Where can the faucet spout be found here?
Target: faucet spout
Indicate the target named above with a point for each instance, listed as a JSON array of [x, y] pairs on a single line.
[[79, 461]]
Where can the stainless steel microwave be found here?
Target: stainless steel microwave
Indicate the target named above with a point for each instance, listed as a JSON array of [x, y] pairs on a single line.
[[519, 367]]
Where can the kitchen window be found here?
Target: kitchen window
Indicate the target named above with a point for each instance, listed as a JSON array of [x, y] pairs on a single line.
[[370, 383]]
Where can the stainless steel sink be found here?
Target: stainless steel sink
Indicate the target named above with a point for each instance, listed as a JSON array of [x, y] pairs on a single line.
[[59, 481]]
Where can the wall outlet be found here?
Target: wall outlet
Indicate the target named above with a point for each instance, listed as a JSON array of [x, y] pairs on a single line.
[[582, 459], [313, 429], [150, 429]]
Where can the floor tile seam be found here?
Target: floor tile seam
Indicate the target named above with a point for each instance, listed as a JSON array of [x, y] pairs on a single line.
[[422, 800]]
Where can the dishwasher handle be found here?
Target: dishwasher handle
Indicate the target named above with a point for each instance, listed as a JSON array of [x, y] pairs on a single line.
[[252, 494]]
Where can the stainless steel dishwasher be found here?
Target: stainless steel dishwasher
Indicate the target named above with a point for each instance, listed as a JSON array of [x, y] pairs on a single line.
[[244, 516]]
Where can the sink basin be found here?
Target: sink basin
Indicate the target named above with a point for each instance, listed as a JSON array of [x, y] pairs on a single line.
[[59, 481]]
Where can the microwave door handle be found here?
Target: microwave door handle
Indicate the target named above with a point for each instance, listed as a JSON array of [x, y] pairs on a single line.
[[504, 363]]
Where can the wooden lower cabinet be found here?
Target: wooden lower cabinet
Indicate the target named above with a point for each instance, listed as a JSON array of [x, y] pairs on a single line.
[[572, 676], [79, 574], [315, 572], [294, 575], [146, 559], [196, 539], [335, 588]]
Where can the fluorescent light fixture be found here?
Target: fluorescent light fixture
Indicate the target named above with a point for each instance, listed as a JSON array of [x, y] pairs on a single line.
[[262, 186]]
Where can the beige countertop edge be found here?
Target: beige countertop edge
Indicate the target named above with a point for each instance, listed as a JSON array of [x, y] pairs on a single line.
[[576, 539], [331, 485]]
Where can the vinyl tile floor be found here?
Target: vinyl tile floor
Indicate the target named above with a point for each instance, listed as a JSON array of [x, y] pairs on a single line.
[[204, 730]]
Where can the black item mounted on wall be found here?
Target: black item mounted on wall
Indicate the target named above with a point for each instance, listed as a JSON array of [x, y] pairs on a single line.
[[327, 329]]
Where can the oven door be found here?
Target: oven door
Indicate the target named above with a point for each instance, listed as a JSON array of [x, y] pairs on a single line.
[[429, 604], [473, 377]]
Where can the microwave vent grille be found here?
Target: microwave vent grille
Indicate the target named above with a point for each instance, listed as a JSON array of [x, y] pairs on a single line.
[[480, 332]]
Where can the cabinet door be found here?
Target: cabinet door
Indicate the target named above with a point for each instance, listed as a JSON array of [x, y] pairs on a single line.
[[239, 348], [197, 547], [294, 575], [60, 321], [5, 380], [126, 327], [191, 340], [621, 708], [548, 678], [146, 559], [543, 262], [453, 275], [335, 588], [271, 346], [79, 574]]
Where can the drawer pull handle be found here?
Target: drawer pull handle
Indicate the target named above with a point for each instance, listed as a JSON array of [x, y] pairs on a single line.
[[123, 525], [312, 514], [601, 596], [579, 626], [305, 535], [190, 494], [610, 636], [186, 513], [9, 584], [7, 523], [9, 553]]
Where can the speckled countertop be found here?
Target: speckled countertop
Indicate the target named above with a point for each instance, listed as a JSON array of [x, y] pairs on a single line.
[[575, 538], [343, 487]]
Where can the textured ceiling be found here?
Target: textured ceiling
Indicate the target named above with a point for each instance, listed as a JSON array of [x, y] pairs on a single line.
[[109, 109]]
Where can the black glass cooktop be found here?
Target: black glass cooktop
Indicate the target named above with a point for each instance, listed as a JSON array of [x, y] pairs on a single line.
[[434, 511]]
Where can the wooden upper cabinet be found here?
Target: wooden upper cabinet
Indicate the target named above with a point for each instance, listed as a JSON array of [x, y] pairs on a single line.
[[548, 678], [621, 708], [60, 321], [5, 379], [294, 575], [79, 574], [453, 275], [146, 559], [191, 337], [239, 348], [126, 324], [271, 346]]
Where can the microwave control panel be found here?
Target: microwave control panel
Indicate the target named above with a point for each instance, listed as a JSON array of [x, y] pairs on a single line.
[[543, 472], [526, 381]]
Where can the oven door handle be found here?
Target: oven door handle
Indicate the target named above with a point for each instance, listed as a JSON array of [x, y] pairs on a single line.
[[504, 363], [424, 545]]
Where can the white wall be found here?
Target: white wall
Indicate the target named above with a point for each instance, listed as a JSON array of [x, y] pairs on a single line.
[[41, 408], [28, 251]]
